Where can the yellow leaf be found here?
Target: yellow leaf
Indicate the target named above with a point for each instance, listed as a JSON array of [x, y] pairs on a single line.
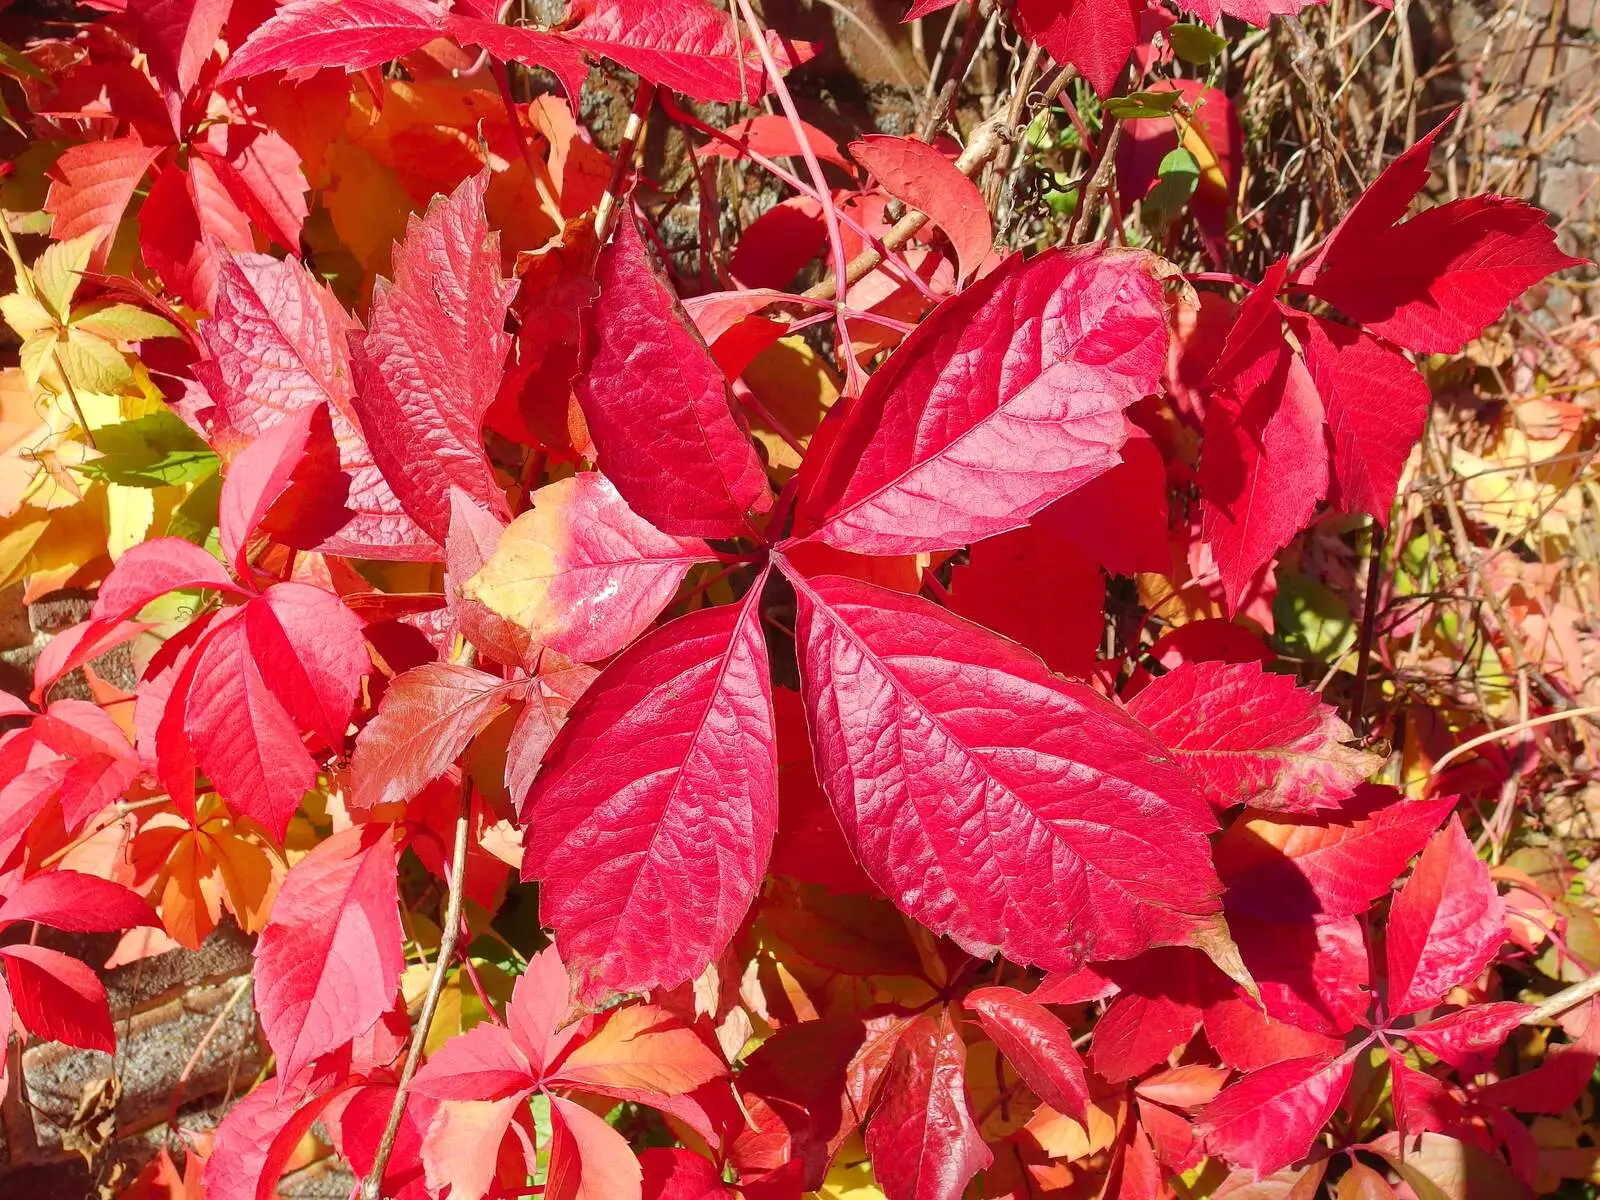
[[796, 388], [93, 364], [130, 513], [58, 271], [25, 314]]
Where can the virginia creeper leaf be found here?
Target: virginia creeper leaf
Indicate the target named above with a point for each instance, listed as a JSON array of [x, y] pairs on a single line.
[[913, 171], [922, 1139], [650, 826], [1037, 1044], [658, 407], [305, 35], [1468, 1038], [589, 1160], [75, 902], [581, 572], [1253, 738], [1012, 812], [92, 185], [1444, 926], [329, 959], [431, 360], [58, 998], [1005, 398], [1269, 1119]]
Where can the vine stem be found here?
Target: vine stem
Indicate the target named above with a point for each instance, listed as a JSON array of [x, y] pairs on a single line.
[[372, 1188], [1369, 620], [606, 210], [1564, 1001]]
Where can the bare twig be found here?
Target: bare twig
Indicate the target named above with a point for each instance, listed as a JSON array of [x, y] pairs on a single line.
[[631, 134], [372, 1188], [1369, 619], [1564, 1001]]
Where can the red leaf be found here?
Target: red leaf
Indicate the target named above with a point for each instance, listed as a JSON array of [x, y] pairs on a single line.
[[772, 136], [305, 35], [1281, 868], [77, 903], [1037, 1044], [680, 1175], [1006, 397], [1376, 403], [554, 51], [92, 185], [1552, 1087], [58, 998], [310, 651], [1119, 518], [178, 36], [254, 480], [1157, 1011], [582, 572], [1038, 590], [1096, 36], [689, 46], [1311, 973], [922, 1139], [1253, 738], [1469, 1038], [679, 458], [277, 344], [262, 175], [1265, 463], [650, 826], [1444, 926], [153, 569], [913, 171], [241, 736], [1435, 282], [1004, 812], [589, 1160], [1270, 1118], [248, 1152], [102, 763], [329, 959], [186, 219], [432, 358], [428, 717], [1421, 1103]]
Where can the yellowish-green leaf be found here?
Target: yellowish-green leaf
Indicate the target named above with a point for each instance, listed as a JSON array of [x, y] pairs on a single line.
[[130, 514], [58, 271], [25, 314], [93, 364], [122, 322]]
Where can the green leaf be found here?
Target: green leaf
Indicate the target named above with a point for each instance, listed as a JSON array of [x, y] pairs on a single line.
[[1312, 620], [1196, 44], [1142, 104], [1177, 178], [150, 451], [196, 518], [176, 467]]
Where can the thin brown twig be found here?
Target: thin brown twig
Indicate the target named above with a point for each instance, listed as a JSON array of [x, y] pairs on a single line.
[[372, 1187]]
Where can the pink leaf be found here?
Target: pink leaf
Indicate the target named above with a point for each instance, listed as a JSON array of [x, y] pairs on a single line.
[[1007, 812], [1007, 397], [277, 343], [913, 171], [103, 763], [484, 1063], [329, 959], [262, 175], [1376, 403], [428, 717], [58, 998], [1444, 926], [305, 35], [1470, 1037], [680, 1175], [253, 481], [242, 737], [432, 358], [589, 1160], [690, 46], [554, 51], [153, 569], [650, 826], [310, 651], [1037, 1044], [658, 407], [922, 1140], [77, 903], [186, 220], [92, 185], [1253, 738], [1269, 1119], [581, 571]]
